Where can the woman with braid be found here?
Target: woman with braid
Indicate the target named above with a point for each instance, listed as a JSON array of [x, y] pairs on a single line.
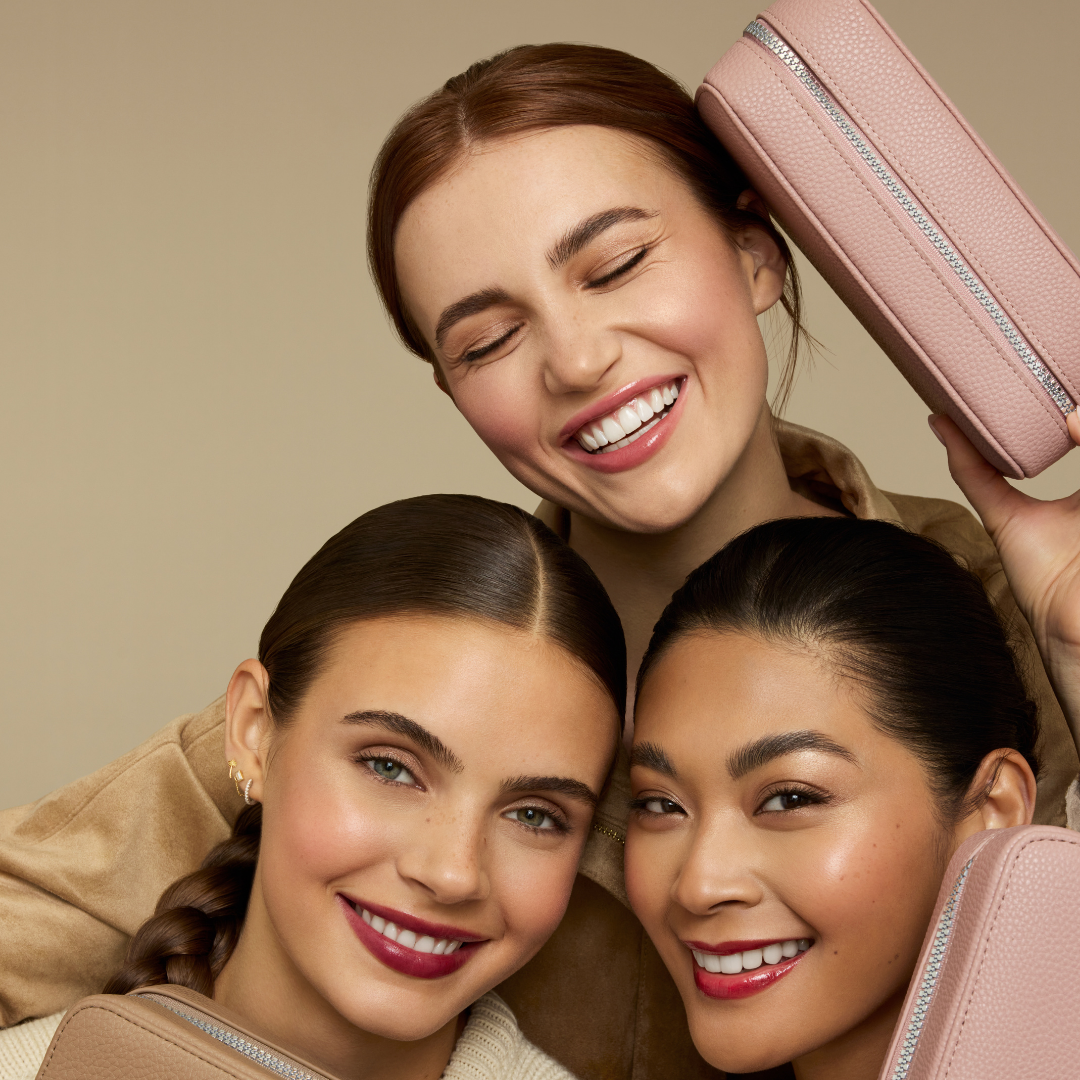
[[421, 744]]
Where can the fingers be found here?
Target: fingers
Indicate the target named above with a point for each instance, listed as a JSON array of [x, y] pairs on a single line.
[[1073, 422], [993, 497]]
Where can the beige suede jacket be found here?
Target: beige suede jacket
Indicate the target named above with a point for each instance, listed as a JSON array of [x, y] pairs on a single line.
[[82, 868]]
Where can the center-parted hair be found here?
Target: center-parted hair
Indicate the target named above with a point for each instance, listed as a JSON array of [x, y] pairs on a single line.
[[456, 556], [887, 608]]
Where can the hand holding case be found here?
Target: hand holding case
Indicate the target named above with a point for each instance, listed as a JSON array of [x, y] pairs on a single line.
[[996, 991], [163, 1031], [908, 216]]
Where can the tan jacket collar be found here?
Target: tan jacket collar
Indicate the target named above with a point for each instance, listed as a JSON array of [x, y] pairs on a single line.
[[818, 467]]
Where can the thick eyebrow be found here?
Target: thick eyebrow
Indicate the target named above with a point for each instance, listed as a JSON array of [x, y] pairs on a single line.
[[469, 305], [574, 788], [769, 747], [402, 725], [584, 232], [651, 756]]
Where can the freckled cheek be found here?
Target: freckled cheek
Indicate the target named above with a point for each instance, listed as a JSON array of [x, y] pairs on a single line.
[[502, 409], [316, 833], [533, 890]]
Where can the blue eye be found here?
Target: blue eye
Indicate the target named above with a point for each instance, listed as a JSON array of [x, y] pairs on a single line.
[[534, 817], [389, 769]]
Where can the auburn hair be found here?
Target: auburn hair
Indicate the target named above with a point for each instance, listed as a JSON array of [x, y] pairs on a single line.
[[457, 556], [532, 87]]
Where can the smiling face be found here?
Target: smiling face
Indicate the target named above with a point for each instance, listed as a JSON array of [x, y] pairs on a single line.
[[593, 322], [783, 855], [423, 816]]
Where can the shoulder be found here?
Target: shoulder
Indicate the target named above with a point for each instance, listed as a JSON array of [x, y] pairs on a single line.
[[492, 1047], [22, 1048]]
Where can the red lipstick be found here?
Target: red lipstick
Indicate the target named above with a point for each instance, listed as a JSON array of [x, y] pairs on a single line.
[[746, 983], [400, 957]]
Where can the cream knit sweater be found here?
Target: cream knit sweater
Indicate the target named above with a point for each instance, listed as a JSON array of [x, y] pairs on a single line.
[[490, 1048]]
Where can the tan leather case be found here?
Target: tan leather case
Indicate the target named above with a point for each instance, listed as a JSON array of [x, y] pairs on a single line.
[[163, 1031], [996, 992]]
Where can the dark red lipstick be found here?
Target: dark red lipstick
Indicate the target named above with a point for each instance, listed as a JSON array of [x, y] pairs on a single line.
[[401, 957]]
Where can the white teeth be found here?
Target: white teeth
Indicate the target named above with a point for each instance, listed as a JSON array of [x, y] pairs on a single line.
[[612, 431], [773, 954], [751, 959], [408, 938], [628, 419], [731, 965], [624, 425]]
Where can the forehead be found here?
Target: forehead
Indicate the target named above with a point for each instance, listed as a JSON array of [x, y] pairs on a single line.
[[528, 190], [461, 678], [714, 692]]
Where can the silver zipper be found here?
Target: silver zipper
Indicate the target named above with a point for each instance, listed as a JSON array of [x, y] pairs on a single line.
[[930, 978], [235, 1041], [765, 36]]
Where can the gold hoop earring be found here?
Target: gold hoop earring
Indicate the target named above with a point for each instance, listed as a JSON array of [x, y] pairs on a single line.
[[237, 777]]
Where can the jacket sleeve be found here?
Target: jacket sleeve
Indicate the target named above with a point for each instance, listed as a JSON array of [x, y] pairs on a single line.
[[82, 868], [957, 529]]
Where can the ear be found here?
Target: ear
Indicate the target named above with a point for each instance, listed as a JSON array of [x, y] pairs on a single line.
[[1002, 794], [762, 260], [248, 724], [440, 380]]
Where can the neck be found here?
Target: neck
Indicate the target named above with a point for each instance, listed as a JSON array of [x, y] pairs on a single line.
[[858, 1054], [261, 983], [641, 570]]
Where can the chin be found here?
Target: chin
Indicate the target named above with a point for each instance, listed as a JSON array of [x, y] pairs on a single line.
[[716, 1048]]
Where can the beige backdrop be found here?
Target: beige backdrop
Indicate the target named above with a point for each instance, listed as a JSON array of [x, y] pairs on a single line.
[[198, 384]]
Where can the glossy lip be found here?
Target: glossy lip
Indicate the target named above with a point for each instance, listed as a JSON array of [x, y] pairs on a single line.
[[614, 401], [640, 450], [746, 983], [398, 957]]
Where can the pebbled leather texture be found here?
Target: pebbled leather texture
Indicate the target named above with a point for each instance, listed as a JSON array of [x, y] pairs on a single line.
[[125, 1037], [1006, 1003], [869, 250]]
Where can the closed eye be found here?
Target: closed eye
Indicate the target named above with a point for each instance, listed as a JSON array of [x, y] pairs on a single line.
[[618, 272], [484, 350]]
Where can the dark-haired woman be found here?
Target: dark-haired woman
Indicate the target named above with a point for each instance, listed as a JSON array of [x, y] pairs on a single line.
[[421, 745], [827, 709], [561, 237]]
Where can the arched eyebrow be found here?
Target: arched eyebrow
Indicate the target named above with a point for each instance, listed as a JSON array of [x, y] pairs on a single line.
[[650, 756], [468, 305], [769, 747], [584, 232], [402, 725], [575, 789]]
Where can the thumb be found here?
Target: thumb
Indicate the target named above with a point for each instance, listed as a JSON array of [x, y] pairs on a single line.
[[993, 497]]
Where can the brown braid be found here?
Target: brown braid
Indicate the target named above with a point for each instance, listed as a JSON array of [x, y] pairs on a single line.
[[197, 921]]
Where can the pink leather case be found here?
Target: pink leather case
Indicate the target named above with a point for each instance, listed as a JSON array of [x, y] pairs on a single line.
[[996, 992], [907, 215]]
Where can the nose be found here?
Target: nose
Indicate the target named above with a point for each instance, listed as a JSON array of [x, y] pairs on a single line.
[[445, 857], [718, 872], [580, 352]]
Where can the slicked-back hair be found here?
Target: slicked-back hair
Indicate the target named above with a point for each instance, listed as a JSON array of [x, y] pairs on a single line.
[[457, 556], [887, 608]]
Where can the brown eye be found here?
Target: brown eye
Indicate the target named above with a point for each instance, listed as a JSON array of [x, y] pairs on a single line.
[[788, 800]]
